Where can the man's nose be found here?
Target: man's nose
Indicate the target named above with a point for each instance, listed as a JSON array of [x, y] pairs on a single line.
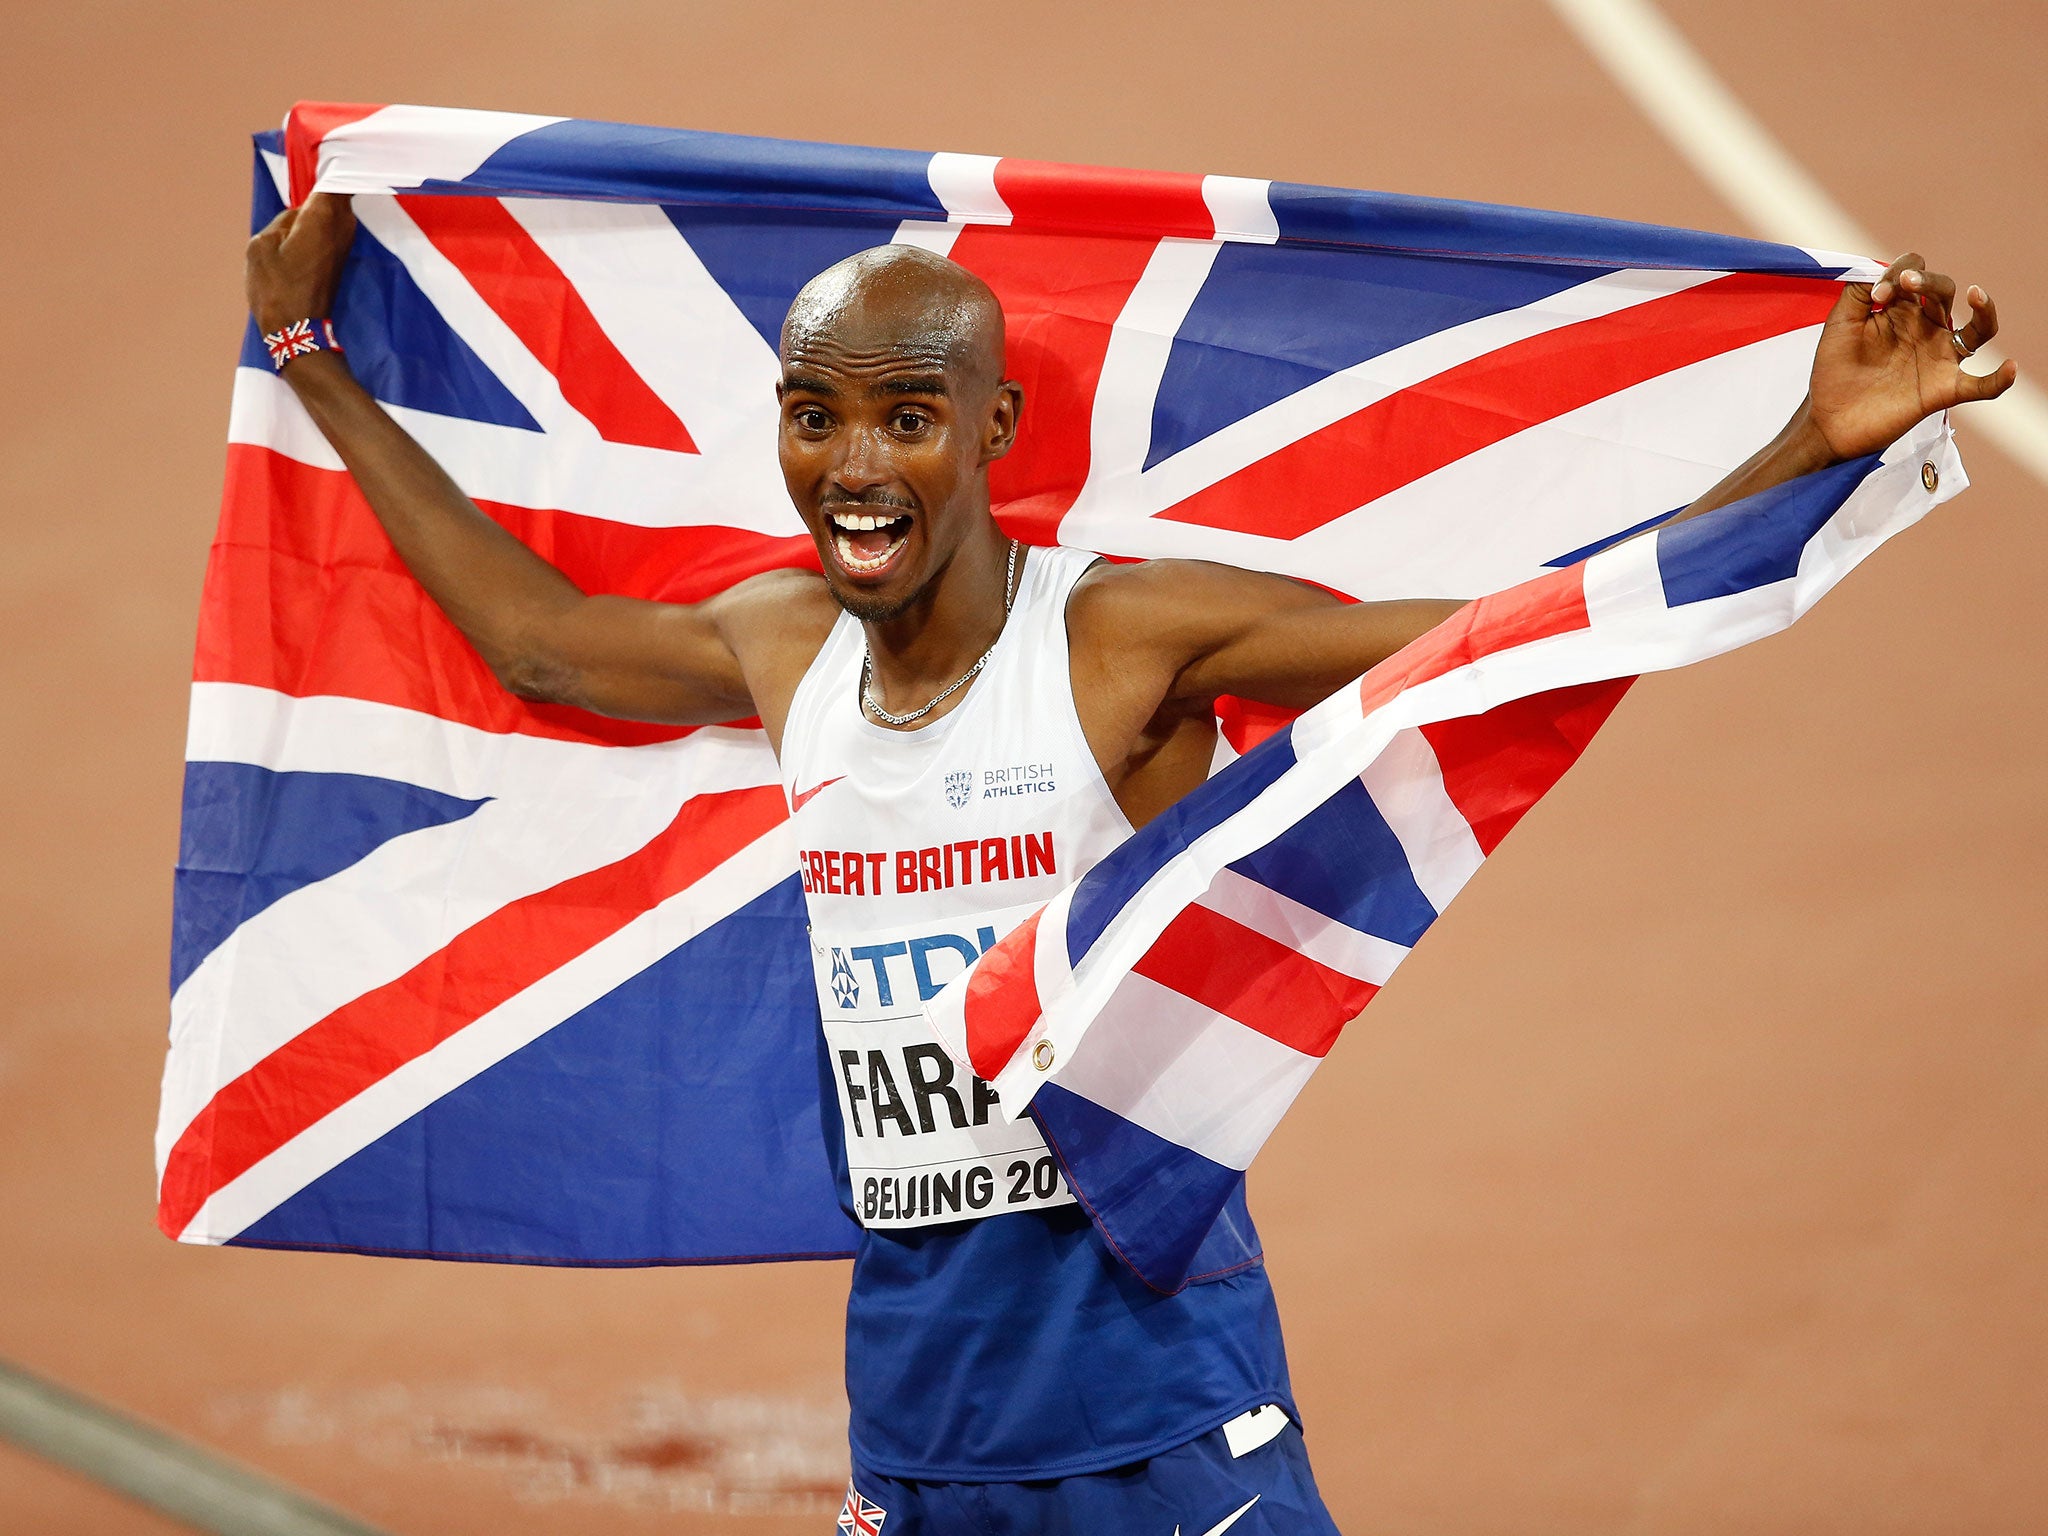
[[863, 465]]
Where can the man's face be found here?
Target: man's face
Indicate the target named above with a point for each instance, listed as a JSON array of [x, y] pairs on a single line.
[[885, 442]]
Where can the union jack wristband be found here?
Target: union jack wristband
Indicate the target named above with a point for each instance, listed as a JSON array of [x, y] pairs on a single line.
[[299, 338]]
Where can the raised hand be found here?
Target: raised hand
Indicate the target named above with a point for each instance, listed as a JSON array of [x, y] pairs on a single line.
[[1888, 357], [294, 261]]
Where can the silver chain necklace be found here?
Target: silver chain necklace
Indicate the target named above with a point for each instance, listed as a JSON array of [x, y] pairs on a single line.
[[867, 660]]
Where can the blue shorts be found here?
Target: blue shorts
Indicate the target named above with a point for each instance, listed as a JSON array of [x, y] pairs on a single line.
[[1197, 1489]]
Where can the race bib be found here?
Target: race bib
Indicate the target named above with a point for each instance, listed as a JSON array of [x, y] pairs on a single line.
[[925, 1142]]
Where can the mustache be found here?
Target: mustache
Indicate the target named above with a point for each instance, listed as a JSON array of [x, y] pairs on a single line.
[[875, 498]]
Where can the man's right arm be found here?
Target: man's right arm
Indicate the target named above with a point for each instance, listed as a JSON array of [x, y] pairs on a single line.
[[542, 636]]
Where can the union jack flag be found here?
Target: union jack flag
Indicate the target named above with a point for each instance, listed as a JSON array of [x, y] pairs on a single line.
[[459, 975], [860, 1518], [297, 339]]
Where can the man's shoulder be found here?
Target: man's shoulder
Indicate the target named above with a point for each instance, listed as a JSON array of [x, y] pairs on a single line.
[[1127, 598], [783, 607], [790, 592], [782, 581]]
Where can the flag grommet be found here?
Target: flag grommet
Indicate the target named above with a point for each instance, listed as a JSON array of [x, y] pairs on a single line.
[[1930, 476], [1041, 1055]]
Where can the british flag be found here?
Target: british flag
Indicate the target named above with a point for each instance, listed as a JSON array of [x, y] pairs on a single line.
[[458, 975], [857, 1517]]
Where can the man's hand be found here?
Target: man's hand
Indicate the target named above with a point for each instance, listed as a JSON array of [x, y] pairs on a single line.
[[1887, 359], [293, 262]]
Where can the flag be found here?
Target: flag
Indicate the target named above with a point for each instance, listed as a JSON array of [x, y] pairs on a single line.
[[1160, 1015], [459, 975]]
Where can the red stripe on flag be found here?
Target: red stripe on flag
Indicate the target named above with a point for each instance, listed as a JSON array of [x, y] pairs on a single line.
[[1046, 194], [1246, 722], [305, 126], [304, 594], [361, 1043], [532, 295], [1263, 984], [1061, 295], [1496, 765], [1553, 604], [1001, 1004], [1319, 478]]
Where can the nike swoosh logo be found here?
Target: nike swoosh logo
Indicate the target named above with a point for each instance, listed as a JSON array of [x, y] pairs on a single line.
[[802, 799], [1226, 1522]]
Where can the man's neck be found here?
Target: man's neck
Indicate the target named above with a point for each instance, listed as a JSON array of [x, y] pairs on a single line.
[[947, 629]]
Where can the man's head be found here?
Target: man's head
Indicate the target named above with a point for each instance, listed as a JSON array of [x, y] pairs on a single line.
[[893, 407]]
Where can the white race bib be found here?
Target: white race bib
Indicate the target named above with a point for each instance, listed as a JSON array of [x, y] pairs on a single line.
[[925, 1142]]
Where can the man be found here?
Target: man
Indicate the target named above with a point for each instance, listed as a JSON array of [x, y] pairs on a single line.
[[1006, 1371]]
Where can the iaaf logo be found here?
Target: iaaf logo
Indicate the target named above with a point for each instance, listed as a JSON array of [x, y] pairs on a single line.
[[844, 987], [959, 788]]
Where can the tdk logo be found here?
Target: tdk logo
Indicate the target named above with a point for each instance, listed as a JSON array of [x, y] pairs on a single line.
[[959, 787], [844, 987], [905, 968]]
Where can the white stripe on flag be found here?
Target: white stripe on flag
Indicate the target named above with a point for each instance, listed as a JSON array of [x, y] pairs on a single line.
[[1241, 209], [1140, 343], [617, 482], [326, 733], [1303, 929], [927, 234], [1185, 1073], [401, 146], [966, 186], [1407, 785]]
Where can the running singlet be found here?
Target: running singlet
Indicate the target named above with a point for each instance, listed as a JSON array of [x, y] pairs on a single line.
[[991, 1334]]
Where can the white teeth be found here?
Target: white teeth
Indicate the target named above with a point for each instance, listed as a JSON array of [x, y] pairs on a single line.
[[859, 522]]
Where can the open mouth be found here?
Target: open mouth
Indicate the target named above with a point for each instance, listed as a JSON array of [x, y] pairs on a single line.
[[866, 542]]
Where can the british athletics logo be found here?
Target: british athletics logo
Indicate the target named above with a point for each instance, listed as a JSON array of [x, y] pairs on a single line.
[[428, 937]]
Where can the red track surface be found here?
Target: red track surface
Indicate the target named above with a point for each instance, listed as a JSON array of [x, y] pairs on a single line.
[[1691, 1179]]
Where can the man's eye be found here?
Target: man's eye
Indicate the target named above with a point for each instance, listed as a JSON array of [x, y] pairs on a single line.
[[909, 421], [811, 419]]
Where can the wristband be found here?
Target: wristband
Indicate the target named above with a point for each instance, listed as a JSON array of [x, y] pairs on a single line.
[[299, 338]]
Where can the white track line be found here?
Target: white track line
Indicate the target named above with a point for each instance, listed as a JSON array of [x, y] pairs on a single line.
[[205, 1491], [1659, 71]]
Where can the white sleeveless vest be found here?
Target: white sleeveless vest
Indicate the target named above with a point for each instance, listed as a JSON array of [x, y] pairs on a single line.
[[919, 849]]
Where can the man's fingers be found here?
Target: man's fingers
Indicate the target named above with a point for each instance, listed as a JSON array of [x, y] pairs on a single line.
[[1936, 292], [1987, 386], [1983, 319], [1886, 288], [327, 206]]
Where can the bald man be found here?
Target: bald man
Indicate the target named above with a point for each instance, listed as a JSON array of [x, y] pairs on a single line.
[[1006, 1372]]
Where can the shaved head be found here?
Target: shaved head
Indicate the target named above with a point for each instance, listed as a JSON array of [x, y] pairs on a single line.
[[906, 300]]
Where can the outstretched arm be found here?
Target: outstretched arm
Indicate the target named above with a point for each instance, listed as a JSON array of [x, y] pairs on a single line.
[[544, 638]]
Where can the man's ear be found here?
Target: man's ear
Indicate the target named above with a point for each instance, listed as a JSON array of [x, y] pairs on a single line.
[[1002, 421]]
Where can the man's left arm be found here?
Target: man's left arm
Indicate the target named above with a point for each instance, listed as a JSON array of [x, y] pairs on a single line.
[[1887, 358]]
